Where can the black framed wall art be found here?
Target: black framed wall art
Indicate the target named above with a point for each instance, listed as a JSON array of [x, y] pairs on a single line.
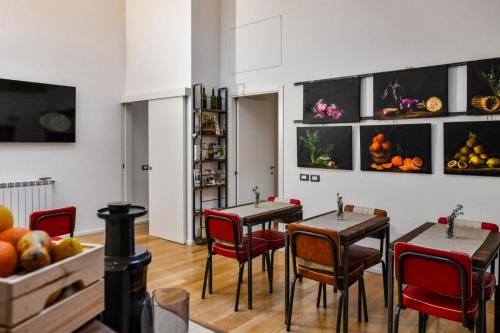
[[472, 148], [324, 147], [333, 101], [411, 93], [483, 87], [396, 148]]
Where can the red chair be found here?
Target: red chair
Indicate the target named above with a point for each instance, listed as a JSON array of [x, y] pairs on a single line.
[[56, 222], [224, 237], [275, 239], [490, 280], [438, 283]]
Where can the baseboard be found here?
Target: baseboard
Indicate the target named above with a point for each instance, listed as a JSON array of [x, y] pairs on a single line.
[[99, 230]]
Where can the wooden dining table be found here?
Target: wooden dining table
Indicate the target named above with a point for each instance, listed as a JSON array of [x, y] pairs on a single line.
[[481, 261], [352, 228], [251, 216]]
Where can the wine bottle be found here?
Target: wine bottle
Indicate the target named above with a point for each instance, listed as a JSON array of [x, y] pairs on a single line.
[[203, 99], [219, 101], [213, 100]]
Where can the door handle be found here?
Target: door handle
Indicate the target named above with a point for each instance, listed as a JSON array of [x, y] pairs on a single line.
[[271, 167]]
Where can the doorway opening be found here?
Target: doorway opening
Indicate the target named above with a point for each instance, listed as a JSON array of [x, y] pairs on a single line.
[[256, 146]]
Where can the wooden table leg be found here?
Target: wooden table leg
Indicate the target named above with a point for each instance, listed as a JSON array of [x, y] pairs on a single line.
[[249, 255], [287, 274], [482, 303], [390, 289], [346, 288]]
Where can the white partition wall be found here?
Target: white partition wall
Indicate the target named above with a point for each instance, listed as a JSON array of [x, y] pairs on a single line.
[[167, 177]]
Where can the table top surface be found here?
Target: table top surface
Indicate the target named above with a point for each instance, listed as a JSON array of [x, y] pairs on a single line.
[[266, 211], [480, 259], [358, 230]]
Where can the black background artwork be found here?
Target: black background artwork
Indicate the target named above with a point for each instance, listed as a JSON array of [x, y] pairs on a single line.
[[324, 147], [483, 87], [396, 148], [411, 93], [343, 93], [472, 148]]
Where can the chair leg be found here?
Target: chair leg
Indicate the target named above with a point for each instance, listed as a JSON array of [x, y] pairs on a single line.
[[210, 276], [318, 299], [205, 279], [425, 316], [493, 265], [360, 291], [365, 307], [420, 319], [339, 312], [335, 290], [290, 305], [238, 288], [384, 276], [324, 295], [271, 267], [396, 319], [269, 272]]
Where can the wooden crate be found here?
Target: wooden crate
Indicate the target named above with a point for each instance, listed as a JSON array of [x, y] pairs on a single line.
[[23, 297]]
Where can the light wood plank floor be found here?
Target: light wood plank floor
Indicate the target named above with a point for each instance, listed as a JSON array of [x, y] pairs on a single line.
[[176, 265]]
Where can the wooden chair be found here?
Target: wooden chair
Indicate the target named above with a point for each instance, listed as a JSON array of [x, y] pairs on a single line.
[[490, 280], [56, 222], [224, 237], [438, 283], [316, 255], [275, 239]]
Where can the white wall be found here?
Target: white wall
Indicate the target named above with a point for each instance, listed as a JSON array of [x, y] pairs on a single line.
[[76, 43], [158, 56], [325, 38]]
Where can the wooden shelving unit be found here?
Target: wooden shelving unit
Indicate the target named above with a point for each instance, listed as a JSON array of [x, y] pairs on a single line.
[[202, 163]]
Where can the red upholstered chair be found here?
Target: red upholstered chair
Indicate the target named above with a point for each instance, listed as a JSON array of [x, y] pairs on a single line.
[[438, 283], [56, 222], [224, 237], [490, 281], [275, 239], [316, 255]]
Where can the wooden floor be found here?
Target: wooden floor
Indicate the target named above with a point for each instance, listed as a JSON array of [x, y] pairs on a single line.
[[183, 266]]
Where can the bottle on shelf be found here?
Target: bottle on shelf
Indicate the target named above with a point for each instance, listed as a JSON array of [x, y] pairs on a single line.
[[219, 101], [213, 100], [203, 99]]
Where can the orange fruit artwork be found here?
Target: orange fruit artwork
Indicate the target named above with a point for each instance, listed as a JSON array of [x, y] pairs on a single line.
[[13, 235], [417, 161], [6, 218], [380, 138], [386, 145], [408, 162], [375, 146], [397, 161], [8, 259], [387, 165]]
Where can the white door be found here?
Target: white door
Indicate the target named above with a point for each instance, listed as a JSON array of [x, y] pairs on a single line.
[[257, 147], [167, 195]]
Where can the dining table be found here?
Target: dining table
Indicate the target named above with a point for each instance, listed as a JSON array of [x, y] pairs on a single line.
[[352, 228], [252, 215], [482, 247]]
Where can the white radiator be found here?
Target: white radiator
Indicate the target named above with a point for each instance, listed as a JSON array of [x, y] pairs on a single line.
[[24, 197]]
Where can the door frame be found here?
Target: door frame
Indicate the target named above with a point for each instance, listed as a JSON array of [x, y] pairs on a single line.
[[233, 145]]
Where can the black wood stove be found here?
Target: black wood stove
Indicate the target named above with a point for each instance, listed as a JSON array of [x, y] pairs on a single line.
[[128, 306]]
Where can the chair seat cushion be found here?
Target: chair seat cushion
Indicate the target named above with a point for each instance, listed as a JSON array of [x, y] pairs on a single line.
[[327, 276], [259, 246], [275, 239], [367, 255], [433, 304], [490, 282]]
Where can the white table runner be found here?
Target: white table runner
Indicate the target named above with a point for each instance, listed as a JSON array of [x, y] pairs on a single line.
[[250, 209], [329, 221], [468, 240]]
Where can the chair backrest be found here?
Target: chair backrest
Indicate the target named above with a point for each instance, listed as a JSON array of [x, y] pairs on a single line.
[[472, 224], [443, 272], [316, 245], [283, 200], [365, 210], [55, 222], [223, 227]]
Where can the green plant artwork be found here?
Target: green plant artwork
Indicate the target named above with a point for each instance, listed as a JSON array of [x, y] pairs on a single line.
[[318, 156], [492, 77]]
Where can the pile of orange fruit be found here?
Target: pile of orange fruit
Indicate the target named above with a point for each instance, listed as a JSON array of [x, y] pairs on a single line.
[[406, 164]]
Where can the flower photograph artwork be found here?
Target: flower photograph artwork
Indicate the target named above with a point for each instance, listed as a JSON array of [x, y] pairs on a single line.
[[483, 87], [396, 148], [411, 93], [334, 101], [472, 148], [324, 147]]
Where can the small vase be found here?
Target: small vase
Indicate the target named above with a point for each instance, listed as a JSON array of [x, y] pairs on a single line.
[[257, 199], [340, 212], [450, 230]]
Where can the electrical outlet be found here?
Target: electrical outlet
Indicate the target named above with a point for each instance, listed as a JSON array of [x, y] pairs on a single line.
[[304, 177], [315, 178], [145, 167]]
